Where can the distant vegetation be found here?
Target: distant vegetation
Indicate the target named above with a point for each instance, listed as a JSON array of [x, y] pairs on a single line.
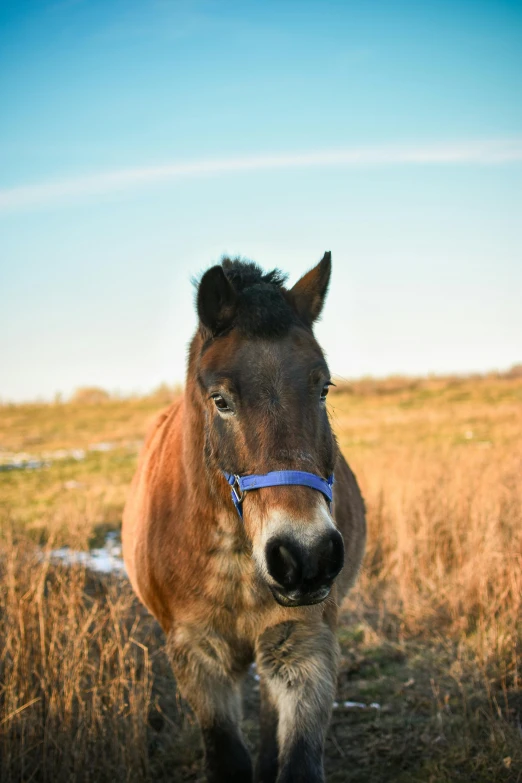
[[432, 633], [93, 395], [90, 395], [392, 384]]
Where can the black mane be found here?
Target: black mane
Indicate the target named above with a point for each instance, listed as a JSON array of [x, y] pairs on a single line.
[[264, 309]]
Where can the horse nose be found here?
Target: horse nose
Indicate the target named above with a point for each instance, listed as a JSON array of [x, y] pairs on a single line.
[[304, 572]]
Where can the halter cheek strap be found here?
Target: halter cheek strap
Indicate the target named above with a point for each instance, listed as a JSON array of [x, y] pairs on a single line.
[[277, 478]]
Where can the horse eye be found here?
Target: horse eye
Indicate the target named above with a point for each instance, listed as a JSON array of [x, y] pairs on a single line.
[[220, 403], [326, 389]]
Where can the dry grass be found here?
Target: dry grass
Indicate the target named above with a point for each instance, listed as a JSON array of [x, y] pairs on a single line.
[[75, 679], [441, 479], [433, 630]]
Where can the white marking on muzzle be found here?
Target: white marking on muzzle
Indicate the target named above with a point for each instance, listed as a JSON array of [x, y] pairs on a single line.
[[306, 531]]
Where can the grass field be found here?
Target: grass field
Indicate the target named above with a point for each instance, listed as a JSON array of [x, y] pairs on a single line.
[[432, 634]]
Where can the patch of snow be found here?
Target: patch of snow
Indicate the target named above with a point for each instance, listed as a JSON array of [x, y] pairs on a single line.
[[107, 559], [103, 446], [357, 705], [72, 484], [24, 461]]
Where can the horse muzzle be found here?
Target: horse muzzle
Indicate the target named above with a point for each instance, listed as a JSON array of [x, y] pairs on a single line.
[[302, 574]]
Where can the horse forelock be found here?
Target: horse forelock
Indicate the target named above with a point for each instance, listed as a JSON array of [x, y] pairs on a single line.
[[263, 305], [243, 274]]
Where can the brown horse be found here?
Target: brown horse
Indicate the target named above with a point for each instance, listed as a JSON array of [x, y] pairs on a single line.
[[260, 578]]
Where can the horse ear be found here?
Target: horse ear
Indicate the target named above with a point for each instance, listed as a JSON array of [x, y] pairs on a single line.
[[216, 300], [309, 293]]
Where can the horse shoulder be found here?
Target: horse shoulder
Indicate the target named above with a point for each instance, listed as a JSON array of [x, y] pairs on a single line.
[[143, 517]]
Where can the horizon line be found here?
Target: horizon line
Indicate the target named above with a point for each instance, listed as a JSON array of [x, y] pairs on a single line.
[[485, 152], [513, 371]]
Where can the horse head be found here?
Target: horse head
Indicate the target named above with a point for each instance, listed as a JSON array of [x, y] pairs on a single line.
[[261, 382]]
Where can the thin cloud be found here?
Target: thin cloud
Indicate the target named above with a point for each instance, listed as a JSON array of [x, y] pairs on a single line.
[[51, 192]]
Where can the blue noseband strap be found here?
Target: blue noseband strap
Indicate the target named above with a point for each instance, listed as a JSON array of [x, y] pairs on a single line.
[[277, 478]]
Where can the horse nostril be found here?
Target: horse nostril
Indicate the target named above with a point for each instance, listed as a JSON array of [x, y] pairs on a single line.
[[283, 564], [331, 556]]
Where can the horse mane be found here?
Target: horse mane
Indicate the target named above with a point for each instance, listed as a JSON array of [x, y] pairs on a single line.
[[264, 308]]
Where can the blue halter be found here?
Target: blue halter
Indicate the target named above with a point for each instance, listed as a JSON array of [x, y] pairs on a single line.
[[277, 478]]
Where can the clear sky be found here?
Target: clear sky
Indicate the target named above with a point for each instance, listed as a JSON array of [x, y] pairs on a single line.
[[142, 139]]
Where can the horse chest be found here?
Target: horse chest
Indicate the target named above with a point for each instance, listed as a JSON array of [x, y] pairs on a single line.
[[231, 579]]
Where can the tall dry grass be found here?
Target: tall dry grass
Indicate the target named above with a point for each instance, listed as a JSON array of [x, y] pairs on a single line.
[[445, 544], [441, 476], [75, 673]]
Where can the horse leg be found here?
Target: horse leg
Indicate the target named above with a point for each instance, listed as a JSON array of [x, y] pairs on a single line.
[[299, 664], [267, 764], [208, 679]]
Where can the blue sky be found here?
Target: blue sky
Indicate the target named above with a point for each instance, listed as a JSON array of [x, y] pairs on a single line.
[[142, 140]]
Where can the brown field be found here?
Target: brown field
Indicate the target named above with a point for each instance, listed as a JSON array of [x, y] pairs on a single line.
[[432, 633]]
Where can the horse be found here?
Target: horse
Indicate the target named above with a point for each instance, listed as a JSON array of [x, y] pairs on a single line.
[[245, 527]]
